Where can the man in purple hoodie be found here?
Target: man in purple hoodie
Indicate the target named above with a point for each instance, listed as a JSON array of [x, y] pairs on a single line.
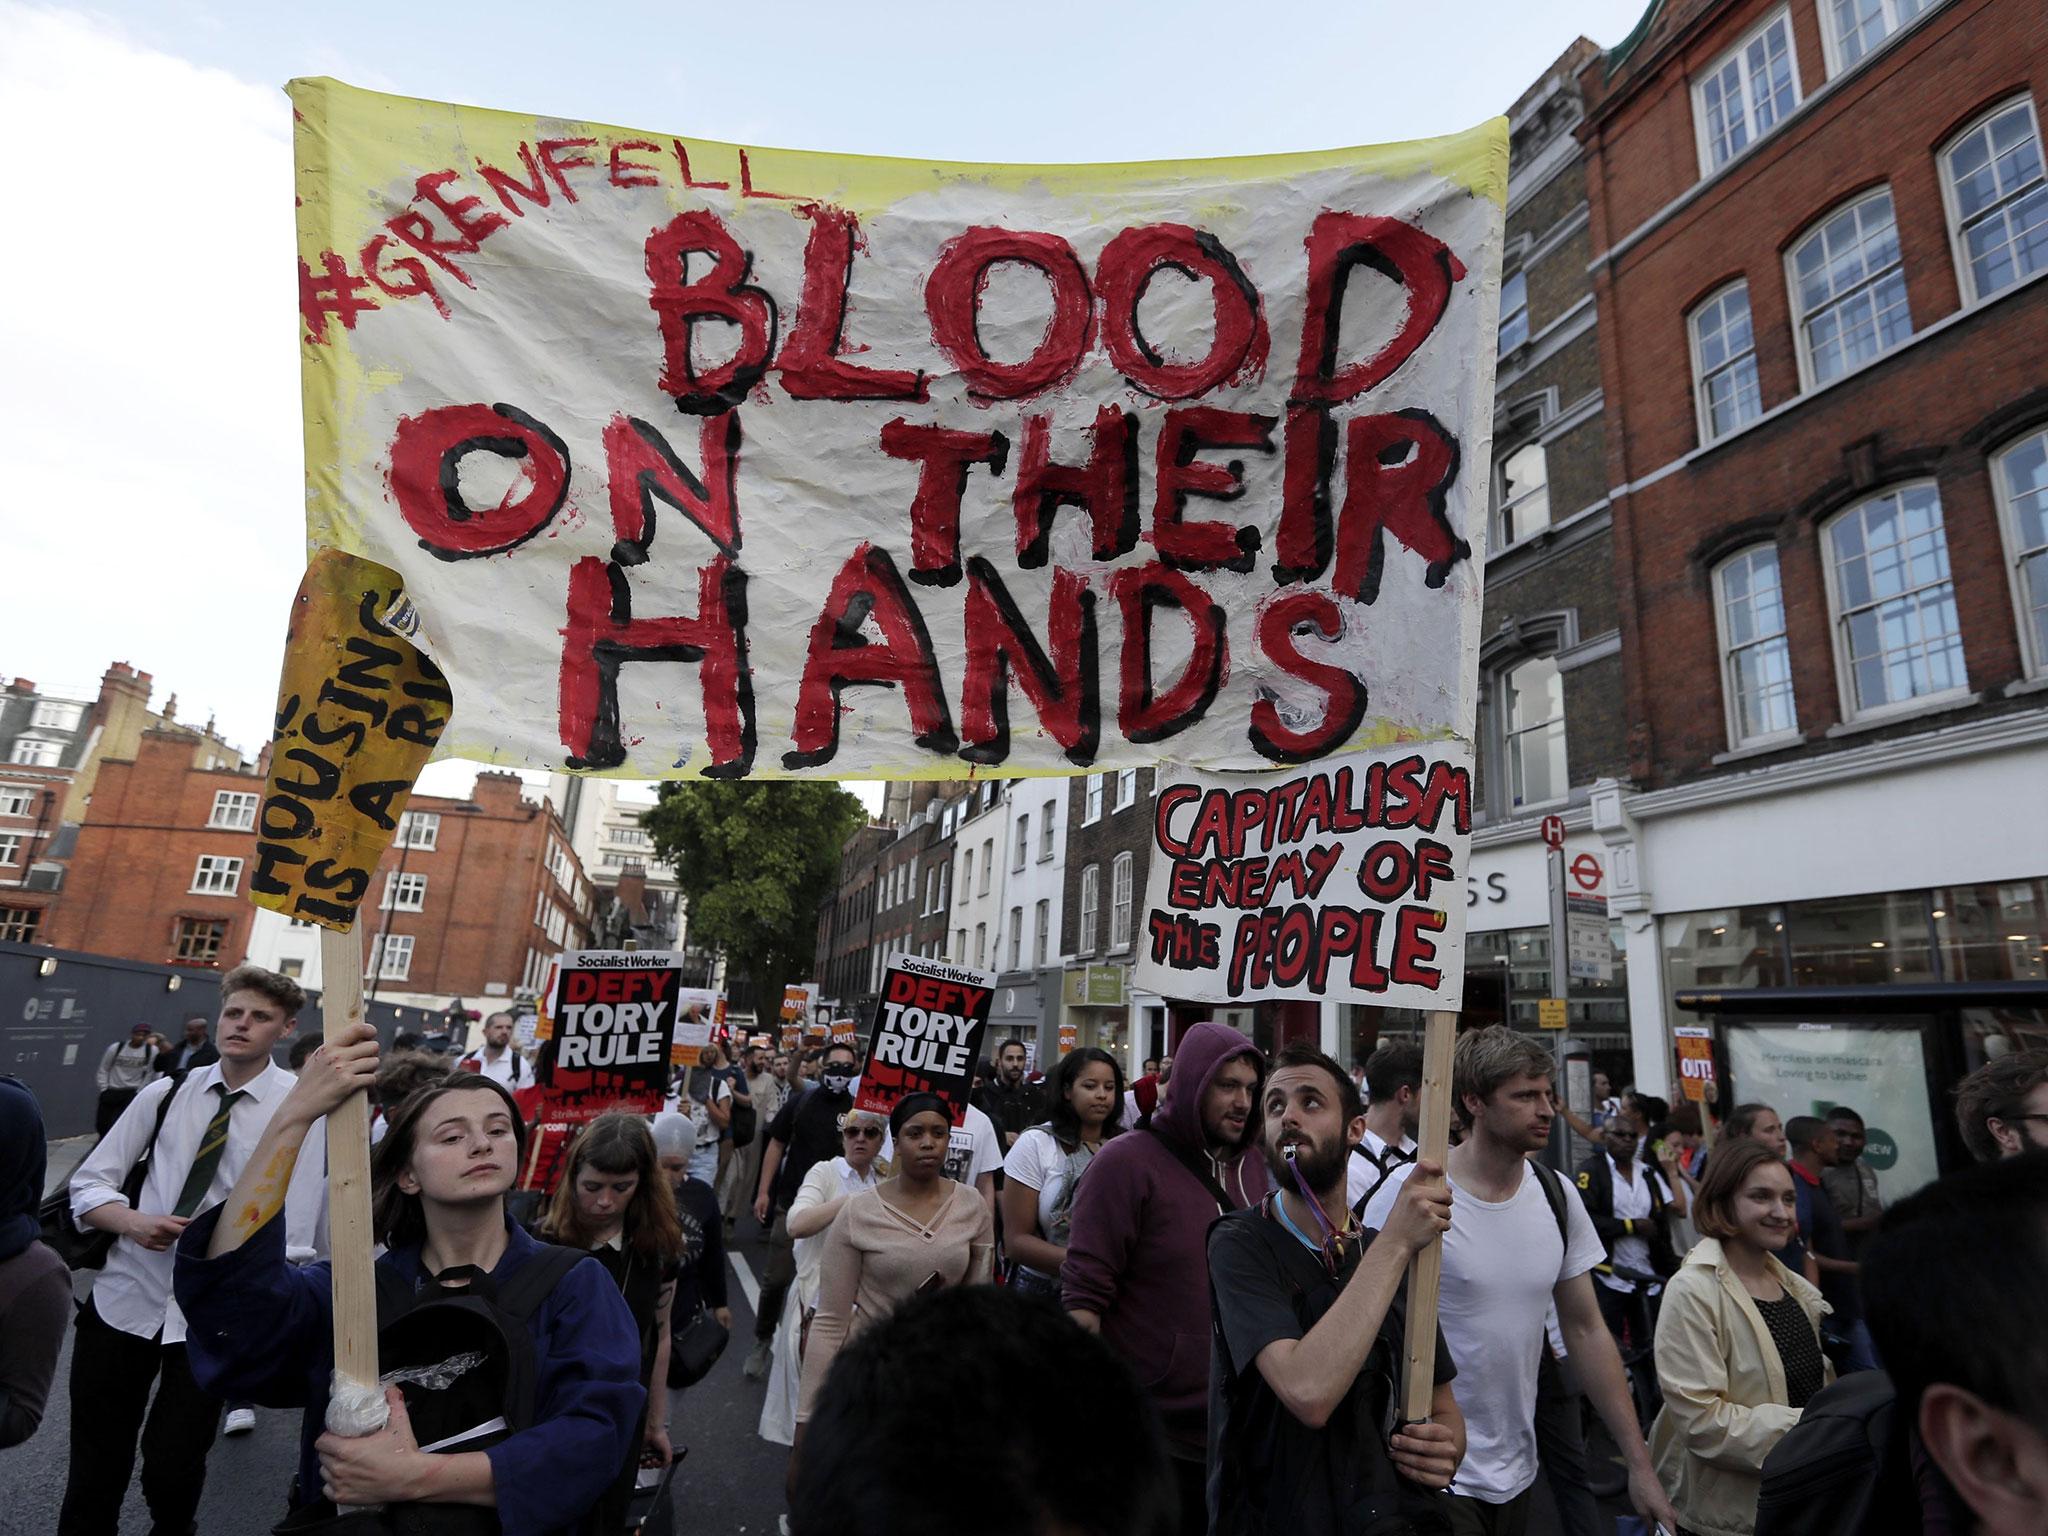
[[1137, 1258]]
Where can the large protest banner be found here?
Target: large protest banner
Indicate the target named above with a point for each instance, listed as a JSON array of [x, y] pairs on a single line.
[[929, 1020], [1344, 880], [704, 460]]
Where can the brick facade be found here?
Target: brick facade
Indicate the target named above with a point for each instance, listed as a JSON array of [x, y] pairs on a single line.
[[1970, 381]]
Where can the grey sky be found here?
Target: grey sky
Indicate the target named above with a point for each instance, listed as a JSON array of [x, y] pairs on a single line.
[[148, 409]]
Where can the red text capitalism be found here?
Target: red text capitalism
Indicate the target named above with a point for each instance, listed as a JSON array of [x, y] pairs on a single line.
[[1399, 467]]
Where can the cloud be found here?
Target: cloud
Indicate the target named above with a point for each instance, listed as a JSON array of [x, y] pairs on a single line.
[[149, 409]]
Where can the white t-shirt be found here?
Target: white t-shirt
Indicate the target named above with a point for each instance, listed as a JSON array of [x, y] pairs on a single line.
[[1631, 1202], [1039, 1162], [1501, 1263], [975, 1149]]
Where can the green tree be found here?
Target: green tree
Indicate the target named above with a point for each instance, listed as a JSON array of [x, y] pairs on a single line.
[[754, 860]]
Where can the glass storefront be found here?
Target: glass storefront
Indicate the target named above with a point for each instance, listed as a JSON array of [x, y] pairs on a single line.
[[1996, 932]]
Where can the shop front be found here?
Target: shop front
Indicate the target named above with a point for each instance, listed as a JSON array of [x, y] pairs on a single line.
[[1020, 1011], [1863, 929]]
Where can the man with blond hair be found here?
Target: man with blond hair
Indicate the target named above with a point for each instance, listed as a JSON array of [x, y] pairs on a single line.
[[1519, 1241]]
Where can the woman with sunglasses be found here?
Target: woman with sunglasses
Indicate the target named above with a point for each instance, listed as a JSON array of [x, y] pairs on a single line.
[[1045, 1166], [915, 1231], [825, 1190]]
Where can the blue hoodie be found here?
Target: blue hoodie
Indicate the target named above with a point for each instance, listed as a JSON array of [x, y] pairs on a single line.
[[1137, 1254]]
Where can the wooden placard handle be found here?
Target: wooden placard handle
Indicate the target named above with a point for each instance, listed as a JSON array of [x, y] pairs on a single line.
[[1425, 1271], [350, 1236]]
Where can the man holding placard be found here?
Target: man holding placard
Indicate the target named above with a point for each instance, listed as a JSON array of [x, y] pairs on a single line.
[[1519, 1240], [1309, 1325]]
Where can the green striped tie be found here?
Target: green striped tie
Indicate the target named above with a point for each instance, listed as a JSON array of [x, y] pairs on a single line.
[[211, 1145]]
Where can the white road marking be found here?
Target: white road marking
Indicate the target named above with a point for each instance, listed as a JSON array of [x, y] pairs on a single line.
[[748, 1287]]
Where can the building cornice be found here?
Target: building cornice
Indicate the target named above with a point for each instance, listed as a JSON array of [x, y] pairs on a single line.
[[2001, 733]]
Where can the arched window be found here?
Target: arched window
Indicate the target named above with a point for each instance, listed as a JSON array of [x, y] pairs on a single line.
[[2019, 475], [1848, 289], [1897, 639], [1756, 664], [1531, 709], [1091, 894], [1724, 363], [1997, 191]]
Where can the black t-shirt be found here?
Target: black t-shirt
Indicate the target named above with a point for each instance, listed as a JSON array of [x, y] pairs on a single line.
[[1822, 1227], [1269, 1472], [808, 1128]]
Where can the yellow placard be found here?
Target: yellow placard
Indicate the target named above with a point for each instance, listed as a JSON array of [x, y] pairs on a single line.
[[1550, 1012], [359, 710]]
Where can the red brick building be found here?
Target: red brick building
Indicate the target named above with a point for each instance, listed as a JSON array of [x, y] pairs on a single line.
[[160, 869], [472, 900], [1820, 233]]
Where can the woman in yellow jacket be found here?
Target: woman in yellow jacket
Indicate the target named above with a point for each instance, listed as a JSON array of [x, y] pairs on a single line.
[[1738, 1344]]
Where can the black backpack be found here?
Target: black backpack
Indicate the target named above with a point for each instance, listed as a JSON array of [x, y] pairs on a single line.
[[1843, 1469], [464, 1360]]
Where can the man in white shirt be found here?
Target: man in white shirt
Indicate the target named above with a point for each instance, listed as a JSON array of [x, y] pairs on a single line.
[[1519, 1240], [497, 1058], [128, 1067], [130, 1333], [1393, 1078]]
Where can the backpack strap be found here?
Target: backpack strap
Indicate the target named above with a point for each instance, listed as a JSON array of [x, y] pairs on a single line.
[[523, 1294], [1553, 1191]]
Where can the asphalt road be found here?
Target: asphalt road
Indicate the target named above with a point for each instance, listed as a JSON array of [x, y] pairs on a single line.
[[730, 1480]]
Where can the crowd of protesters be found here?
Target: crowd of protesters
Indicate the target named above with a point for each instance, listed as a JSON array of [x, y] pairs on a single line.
[[1201, 1273]]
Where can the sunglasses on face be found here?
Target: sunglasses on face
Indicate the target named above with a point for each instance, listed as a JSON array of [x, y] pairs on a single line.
[[866, 1132]]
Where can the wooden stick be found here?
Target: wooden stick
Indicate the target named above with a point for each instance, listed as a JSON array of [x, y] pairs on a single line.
[[348, 1175], [1425, 1273]]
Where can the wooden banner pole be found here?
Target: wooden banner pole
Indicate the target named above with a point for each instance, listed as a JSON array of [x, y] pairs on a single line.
[[1425, 1272], [350, 1235]]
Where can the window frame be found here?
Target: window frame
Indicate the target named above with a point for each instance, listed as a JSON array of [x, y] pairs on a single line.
[[1089, 909], [1502, 746], [2033, 655], [1022, 855], [223, 864], [1048, 830], [226, 815], [392, 899], [1738, 50], [1732, 715], [1126, 788], [26, 794], [1811, 230], [1502, 345], [27, 752], [20, 925], [1122, 900], [1016, 938], [988, 864], [1951, 209], [10, 845], [1703, 416], [381, 948], [1831, 39], [411, 824], [63, 715], [1845, 678], [1092, 798], [189, 927], [1042, 940]]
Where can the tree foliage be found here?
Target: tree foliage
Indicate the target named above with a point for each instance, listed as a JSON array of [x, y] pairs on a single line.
[[754, 860]]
